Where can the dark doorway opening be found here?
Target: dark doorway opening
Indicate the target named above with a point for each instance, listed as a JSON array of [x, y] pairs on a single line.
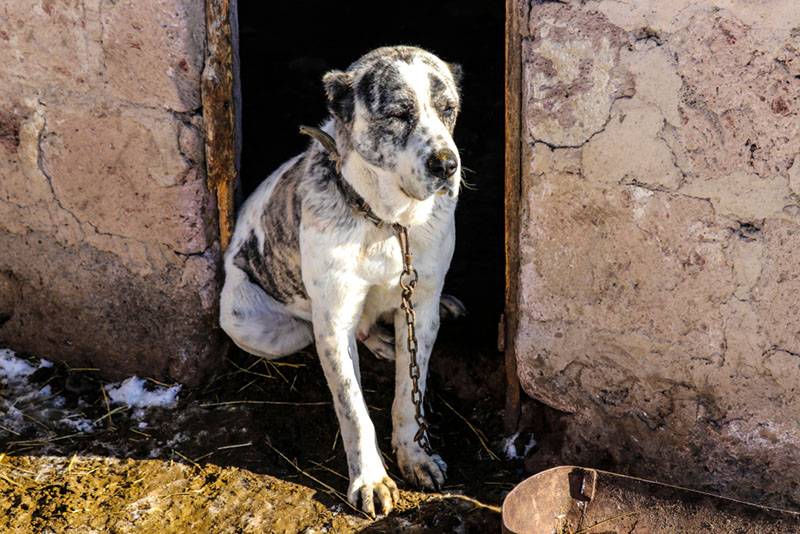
[[285, 49]]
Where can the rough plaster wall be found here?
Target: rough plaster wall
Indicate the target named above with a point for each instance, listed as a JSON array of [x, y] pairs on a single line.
[[107, 230], [660, 263]]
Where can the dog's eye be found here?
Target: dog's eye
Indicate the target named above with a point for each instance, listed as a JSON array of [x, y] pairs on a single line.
[[448, 112], [398, 114]]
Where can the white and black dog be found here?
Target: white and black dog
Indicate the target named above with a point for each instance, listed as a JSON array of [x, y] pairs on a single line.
[[304, 265]]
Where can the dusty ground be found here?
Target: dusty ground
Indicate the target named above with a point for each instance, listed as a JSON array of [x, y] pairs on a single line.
[[257, 450]]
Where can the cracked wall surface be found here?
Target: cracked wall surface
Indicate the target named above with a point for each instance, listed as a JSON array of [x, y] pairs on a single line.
[[660, 272], [108, 239]]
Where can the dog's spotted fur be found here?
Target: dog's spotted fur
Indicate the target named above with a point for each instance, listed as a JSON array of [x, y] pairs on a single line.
[[274, 265], [304, 267]]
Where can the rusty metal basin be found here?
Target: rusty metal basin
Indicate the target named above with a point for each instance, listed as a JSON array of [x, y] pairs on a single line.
[[577, 500]]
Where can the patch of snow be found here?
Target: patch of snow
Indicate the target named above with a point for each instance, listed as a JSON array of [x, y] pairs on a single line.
[[23, 401], [133, 393], [13, 368], [510, 447], [22, 396], [531, 444], [13, 416], [78, 424], [177, 439]]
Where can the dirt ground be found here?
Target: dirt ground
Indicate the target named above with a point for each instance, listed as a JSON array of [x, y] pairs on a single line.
[[256, 450]]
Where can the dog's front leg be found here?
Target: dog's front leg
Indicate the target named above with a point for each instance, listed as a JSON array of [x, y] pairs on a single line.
[[335, 319], [417, 466]]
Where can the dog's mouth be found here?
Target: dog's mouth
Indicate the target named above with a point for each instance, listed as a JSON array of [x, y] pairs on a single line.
[[423, 185], [444, 189], [412, 197]]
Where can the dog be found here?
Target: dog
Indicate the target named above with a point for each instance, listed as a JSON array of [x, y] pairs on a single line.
[[305, 265]]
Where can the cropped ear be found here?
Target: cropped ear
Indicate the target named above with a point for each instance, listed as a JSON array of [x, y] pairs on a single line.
[[457, 72], [339, 90]]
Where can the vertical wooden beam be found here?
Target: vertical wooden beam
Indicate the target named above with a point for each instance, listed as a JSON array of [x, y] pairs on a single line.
[[513, 168], [219, 87]]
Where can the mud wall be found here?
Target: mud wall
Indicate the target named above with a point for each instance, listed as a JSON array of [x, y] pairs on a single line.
[[660, 237], [108, 254]]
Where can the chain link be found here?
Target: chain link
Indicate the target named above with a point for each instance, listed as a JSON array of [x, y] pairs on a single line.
[[408, 282]]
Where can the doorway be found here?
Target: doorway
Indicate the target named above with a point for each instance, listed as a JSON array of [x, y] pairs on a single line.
[[286, 47], [284, 50]]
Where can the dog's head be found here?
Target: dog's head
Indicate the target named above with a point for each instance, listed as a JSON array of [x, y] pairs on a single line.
[[398, 106]]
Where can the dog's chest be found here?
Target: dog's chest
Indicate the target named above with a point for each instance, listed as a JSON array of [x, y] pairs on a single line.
[[379, 261]]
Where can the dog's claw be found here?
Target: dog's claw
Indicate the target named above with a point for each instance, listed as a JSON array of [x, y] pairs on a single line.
[[436, 485], [367, 503], [387, 493], [420, 469], [385, 497]]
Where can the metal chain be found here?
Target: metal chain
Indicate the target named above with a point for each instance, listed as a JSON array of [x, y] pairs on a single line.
[[408, 278], [408, 282]]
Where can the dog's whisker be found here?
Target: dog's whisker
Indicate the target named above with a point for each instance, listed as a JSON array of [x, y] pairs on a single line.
[[468, 185]]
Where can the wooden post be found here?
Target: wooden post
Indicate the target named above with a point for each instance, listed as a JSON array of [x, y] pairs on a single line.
[[513, 105], [219, 94]]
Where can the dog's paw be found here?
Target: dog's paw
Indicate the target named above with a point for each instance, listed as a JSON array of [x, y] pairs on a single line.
[[420, 468], [451, 308], [365, 487], [380, 342]]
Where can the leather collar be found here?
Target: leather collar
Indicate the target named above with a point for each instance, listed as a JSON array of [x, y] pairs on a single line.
[[351, 196]]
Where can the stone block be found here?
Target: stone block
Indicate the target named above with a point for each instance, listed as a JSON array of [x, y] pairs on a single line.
[[109, 253]]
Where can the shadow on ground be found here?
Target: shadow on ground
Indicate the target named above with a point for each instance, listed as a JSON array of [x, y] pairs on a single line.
[[257, 449]]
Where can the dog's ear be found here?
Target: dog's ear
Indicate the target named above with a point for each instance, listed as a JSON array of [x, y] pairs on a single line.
[[457, 72], [339, 89]]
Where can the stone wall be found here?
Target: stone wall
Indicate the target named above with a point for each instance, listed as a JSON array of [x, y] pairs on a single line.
[[108, 254], [660, 237]]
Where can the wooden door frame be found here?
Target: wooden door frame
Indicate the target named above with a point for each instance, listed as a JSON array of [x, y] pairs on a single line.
[[221, 98], [512, 194]]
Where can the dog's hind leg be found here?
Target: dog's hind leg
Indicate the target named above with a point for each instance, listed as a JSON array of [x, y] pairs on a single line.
[[256, 322], [379, 336], [451, 308]]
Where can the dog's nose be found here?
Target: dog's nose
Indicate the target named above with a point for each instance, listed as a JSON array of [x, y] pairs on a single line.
[[442, 163]]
